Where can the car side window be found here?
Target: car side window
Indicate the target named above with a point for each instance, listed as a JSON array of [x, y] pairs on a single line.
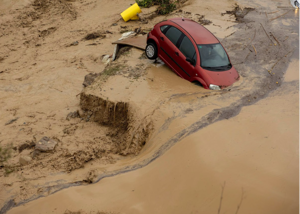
[[162, 28], [173, 34], [187, 48]]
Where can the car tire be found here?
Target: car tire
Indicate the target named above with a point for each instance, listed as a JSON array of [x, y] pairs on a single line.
[[197, 84], [151, 50]]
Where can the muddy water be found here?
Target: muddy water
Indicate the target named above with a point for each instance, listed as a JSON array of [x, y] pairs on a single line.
[[253, 156]]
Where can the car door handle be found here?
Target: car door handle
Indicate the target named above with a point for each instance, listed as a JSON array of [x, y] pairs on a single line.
[[177, 54], [162, 38]]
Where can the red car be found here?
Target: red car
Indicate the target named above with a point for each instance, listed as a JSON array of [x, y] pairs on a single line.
[[192, 51]]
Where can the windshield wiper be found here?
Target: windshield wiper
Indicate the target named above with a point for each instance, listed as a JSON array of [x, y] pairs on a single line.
[[214, 68], [227, 66]]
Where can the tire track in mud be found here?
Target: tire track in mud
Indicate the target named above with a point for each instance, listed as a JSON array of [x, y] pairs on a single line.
[[261, 80]]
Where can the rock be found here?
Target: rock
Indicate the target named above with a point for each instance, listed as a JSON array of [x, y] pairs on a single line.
[[74, 114], [24, 160], [45, 144], [89, 79]]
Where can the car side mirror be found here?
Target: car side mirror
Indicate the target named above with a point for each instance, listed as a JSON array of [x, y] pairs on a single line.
[[192, 61]]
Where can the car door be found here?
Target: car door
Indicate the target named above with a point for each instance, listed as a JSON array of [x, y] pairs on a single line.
[[187, 56], [169, 38]]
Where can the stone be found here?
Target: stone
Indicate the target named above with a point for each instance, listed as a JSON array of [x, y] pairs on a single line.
[[45, 144], [24, 160]]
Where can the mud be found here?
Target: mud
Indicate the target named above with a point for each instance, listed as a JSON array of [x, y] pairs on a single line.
[[130, 113], [238, 12]]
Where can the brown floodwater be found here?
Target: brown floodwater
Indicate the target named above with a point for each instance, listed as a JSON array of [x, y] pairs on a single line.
[[252, 157]]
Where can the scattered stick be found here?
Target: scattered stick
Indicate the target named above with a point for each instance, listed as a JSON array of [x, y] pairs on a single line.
[[279, 61], [266, 33], [254, 49], [247, 56], [279, 16], [275, 38], [11, 121], [228, 36], [283, 7], [251, 40], [266, 15], [253, 36], [221, 198], [274, 12]]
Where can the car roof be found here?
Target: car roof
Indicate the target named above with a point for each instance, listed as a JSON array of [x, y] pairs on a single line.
[[199, 33]]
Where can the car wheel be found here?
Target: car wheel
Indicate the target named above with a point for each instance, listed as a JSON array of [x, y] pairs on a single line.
[[197, 83], [151, 50]]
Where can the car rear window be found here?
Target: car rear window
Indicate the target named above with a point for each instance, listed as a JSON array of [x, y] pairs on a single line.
[[173, 34], [187, 48]]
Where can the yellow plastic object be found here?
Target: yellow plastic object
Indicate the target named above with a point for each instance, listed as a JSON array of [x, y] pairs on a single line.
[[136, 17], [131, 12]]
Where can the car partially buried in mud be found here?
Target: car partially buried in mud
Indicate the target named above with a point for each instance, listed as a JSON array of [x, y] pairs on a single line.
[[192, 51]]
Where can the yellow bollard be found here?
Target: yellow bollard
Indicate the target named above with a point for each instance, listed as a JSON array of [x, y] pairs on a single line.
[[131, 12]]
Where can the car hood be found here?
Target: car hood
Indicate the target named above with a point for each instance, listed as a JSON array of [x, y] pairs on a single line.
[[222, 78]]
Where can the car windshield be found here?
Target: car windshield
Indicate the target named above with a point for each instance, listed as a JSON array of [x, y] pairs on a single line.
[[214, 57]]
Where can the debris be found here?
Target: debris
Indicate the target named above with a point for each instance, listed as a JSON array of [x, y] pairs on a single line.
[[266, 33], [203, 21], [279, 16], [24, 160], [47, 32], [11, 121], [74, 114], [127, 34], [274, 12], [275, 38], [279, 61], [73, 44], [89, 79], [45, 144], [254, 49], [131, 13], [137, 42], [106, 59], [238, 12], [94, 35], [93, 44], [26, 146], [137, 30]]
